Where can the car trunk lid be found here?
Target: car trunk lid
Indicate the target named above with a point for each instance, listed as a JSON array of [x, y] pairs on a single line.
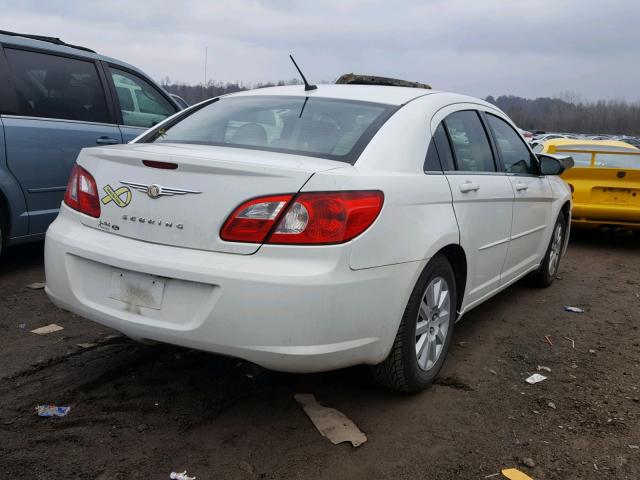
[[187, 205]]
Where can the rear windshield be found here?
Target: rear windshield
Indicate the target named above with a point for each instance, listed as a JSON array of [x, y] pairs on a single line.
[[320, 127]]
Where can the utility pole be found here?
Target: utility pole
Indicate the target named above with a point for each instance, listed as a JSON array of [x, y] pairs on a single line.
[[206, 52]]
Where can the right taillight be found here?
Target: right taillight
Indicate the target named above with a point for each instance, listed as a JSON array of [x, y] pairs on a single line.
[[311, 218], [327, 217], [82, 192]]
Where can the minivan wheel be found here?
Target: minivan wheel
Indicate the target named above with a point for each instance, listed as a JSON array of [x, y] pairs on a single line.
[[425, 331], [546, 273]]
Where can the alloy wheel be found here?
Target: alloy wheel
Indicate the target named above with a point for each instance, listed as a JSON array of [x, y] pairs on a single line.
[[432, 323], [556, 249]]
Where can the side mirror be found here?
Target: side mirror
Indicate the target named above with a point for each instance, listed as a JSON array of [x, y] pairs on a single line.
[[554, 165]]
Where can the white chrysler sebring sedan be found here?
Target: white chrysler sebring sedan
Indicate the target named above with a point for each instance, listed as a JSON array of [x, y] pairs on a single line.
[[309, 230]]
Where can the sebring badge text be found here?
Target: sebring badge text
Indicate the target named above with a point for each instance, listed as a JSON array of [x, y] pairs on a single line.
[[105, 225], [153, 221]]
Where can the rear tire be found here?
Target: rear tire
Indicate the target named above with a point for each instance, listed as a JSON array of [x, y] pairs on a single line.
[[422, 342], [546, 273]]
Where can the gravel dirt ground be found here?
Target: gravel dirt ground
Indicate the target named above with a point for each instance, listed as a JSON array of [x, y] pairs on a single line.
[[140, 412]]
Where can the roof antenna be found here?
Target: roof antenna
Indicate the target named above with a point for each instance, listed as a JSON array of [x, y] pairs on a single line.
[[307, 87]]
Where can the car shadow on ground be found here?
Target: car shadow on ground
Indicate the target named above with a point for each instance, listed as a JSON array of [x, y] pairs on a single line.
[[19, 258], [624, 239]]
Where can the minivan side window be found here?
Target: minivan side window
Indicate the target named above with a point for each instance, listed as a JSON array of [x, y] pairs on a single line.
[[141, 104], [515, 154], [469, 141], [52, 86]]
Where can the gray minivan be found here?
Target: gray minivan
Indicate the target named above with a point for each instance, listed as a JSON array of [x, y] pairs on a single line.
[[56, 99]]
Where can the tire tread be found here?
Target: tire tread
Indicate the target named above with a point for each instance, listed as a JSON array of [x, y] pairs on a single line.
[[390, 373], [395, 371]]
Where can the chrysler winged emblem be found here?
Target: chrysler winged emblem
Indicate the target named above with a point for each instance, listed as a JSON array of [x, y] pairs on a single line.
[[155, 191]]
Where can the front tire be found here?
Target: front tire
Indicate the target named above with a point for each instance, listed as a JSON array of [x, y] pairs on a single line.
[[546, 273], [425, 331]]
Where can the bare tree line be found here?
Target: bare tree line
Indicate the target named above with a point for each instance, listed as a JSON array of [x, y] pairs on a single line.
[[196, 93], [566, 113], [571, 115]]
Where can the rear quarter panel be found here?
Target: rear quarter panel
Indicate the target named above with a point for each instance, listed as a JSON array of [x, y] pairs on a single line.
[[416, 220]]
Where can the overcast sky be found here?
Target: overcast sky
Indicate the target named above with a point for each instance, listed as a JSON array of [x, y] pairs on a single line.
[[530, 48]]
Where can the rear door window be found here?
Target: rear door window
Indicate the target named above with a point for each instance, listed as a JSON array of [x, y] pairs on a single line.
[[322, 127], [141, 104], [52, 86], [469, 142]]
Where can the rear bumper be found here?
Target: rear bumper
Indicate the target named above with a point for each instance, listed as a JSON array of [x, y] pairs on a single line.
[[285, 308], [591, 215]]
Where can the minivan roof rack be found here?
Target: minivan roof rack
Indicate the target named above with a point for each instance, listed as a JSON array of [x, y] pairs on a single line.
[[42, 38], [353, 79]]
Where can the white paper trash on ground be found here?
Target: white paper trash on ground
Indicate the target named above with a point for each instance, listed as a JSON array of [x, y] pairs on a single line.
[[569, 308], [180, 476], [47, 329], [535, 378], [37, 285], [331, 423]]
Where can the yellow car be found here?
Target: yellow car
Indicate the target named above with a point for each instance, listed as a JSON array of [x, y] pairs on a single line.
[[605, 181]]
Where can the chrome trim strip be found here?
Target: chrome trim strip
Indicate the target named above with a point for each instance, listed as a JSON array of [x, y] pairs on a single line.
[[472, 172], [494, 244], [531, 199], [63, 120], [528, 232], [46, 189], [162, 191], [513, 237]]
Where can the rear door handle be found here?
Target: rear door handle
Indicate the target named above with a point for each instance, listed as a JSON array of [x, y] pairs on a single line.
[[104, 140], [467, 187], [520, 186]]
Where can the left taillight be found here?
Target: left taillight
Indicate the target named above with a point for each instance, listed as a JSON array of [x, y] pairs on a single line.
[[82, 192]]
